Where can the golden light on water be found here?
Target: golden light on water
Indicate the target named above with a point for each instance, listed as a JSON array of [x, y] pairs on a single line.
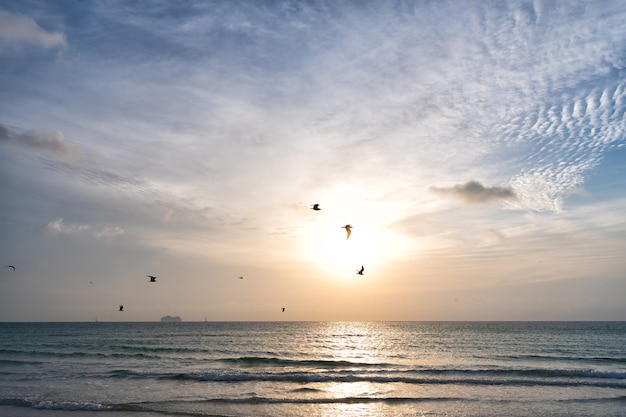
[[353, 396], [353, 390], [356, 343]]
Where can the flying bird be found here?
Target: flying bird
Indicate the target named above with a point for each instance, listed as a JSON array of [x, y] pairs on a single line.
[[121, 308], [10, 266], [348, 230], [316, 207], [152, 278], [360, 271]]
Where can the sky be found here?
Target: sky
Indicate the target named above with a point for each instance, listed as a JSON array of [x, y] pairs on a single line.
[[477, 149]]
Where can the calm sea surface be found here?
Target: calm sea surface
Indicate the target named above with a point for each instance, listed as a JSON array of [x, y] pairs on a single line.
[[313, 369]]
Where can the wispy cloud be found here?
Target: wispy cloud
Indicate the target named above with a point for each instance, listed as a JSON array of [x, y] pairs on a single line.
[[59, 227], [565, 138], [17, 29], [109, 232], [473, 192], [49, 142]]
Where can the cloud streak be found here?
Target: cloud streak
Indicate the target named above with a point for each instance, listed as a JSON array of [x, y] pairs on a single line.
[[17, 29], [48, 142], [59, 227], [474, 193]]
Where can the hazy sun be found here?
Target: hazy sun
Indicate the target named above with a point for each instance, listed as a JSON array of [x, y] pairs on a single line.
[[371, 243]]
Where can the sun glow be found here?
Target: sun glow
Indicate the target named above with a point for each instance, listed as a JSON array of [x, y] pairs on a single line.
[[371, 244]]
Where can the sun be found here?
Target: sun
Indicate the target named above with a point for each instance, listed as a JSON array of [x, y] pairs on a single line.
[[372, 244]]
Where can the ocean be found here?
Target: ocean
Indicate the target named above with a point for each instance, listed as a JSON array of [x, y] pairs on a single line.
[[330, 369]]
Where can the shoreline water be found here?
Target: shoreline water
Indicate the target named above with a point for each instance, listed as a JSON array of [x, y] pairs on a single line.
[[293, 369]]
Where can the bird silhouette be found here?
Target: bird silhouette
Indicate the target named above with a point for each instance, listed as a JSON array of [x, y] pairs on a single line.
[[10, 266], [360, 271], [316, 207], [121, 308], [152, 278], [348, 230]]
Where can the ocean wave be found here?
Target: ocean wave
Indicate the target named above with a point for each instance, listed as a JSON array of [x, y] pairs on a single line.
[[563, 358], [256, 361], [333, 400], [13, 362], [71, 406], [534, 372], [253, 400], [532, 377], [77, 405], [195, 407], [79, 355], [127, 373], [273, 363], [305, 389], [162, 349], [56, 405]]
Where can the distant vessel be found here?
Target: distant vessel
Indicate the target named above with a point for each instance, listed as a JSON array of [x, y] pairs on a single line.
[[171, 319]]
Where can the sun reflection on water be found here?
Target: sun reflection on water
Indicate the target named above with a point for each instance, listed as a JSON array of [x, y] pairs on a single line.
[[357, 344], [353, 410]]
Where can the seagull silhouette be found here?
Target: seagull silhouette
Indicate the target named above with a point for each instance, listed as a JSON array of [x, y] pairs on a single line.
[[152, 278], [10, 266], [316, 207], [360, 271], [121, 308], [348, 230]]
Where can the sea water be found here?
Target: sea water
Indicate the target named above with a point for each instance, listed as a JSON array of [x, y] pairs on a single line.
[[313, 369]]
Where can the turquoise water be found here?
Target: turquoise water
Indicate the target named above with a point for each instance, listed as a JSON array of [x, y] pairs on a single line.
[[313, 369]]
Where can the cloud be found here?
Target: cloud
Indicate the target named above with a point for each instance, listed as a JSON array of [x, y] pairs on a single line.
[[17, 29], [58, 227], [473, 192], [49, 142], [110, 232]]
